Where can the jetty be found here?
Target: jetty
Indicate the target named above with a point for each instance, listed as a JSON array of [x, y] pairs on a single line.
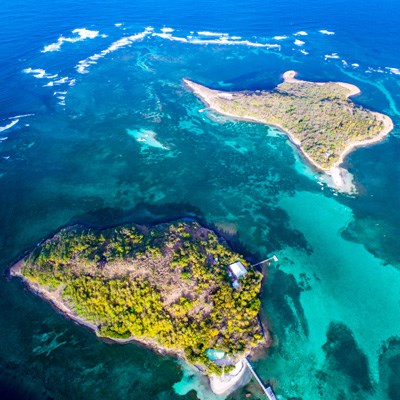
[[267, 390]]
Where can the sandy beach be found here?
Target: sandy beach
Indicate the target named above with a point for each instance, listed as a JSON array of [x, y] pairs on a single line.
[[340, 179]]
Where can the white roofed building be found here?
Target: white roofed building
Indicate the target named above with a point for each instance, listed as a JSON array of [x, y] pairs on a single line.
[[237, 270]]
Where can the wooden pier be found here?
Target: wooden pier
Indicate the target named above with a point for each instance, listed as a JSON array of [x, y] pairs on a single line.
[[267, 390]]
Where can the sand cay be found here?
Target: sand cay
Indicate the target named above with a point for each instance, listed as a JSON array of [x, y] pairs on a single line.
[[318, 117]]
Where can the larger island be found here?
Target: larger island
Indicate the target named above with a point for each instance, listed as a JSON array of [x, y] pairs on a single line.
[[318, 117], [167, 286]]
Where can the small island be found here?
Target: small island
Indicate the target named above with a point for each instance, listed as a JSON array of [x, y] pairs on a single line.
[[318, 117], [175, 287]]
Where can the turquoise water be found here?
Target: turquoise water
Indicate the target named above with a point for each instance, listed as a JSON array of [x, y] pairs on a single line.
[[116, 137]]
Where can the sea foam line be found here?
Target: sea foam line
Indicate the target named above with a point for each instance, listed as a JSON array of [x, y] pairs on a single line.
[[325, 32], [21, 116], [8, 126], [226, 41], [331, 56], [300, 33], [169, 36], [83, 66], [80, 34], [39, 73], [217, 38], [283, 37], [208, 33], [393, 70], [165, 33], [61, 81], [167, 30]]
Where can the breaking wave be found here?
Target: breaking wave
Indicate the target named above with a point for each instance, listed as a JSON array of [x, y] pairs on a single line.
[[331, 56], [83, 66], [39, 73], [395, 71], [325, 32], [10, 125], [80, 34], [301, 33]]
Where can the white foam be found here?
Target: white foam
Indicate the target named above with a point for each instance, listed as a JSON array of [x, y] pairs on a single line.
[[215, 38], [345, 63], [51, 47], [301, 33], [21, 116], [331, 56], [3, 138], [80, 34], [169, 36], [227, 41], [8, 126], [166, 30], [208, 33], [39, 73], [280, 37], [61, 81], [118, 24], [393, 70], [379, 70], [85, 33], [57, 93], [304, 52], [83, 66], [298, 42], [355, 65], [325, 32]]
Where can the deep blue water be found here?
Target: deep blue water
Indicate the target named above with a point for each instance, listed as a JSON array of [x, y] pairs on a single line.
[[332, 302]]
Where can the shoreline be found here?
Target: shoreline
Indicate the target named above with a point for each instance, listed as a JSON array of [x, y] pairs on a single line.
[[200, 93], [290, 77], [340, 181], [218, 385], [55, 300]]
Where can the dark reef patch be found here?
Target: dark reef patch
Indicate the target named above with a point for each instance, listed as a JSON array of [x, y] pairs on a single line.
[[377, 235], [344, 356], [279, 289], [389, 368]]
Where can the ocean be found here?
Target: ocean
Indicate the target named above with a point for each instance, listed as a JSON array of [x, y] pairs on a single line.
[[96, 127]]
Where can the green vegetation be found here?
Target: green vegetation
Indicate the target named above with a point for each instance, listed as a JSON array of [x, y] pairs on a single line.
[[167, 285], [319, 116]]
